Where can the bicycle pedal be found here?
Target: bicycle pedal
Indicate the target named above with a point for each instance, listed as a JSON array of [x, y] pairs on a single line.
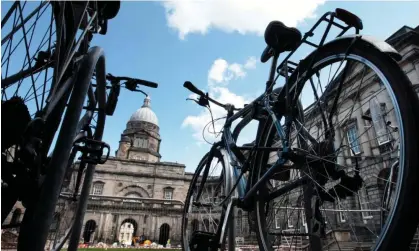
[[93, 151], [203, 241]]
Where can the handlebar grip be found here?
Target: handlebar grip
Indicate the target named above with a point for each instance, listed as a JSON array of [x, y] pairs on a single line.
[[147, 83], [188, 85]]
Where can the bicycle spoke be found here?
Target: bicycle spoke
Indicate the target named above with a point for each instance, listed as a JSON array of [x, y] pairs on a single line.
[[15, 29], [28, 57], [49, 49], [10, 46]]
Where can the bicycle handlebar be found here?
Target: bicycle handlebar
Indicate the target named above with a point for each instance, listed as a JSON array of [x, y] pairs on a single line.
[[188, 85], [204, 97], [131, 81]]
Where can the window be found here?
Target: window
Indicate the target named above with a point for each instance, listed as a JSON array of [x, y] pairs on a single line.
[[303, 218], [353, 139], [98, 188], [168, 193], [378, 113], [145, 219], [141, 142], [342, 213], [277, 220], [364, 203], [137, 142], [325, 217], [289, 218], [304, 222]]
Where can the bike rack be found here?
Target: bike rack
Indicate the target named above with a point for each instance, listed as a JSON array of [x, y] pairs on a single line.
[[327, 17]]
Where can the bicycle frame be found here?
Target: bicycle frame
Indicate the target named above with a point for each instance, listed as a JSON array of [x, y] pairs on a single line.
[[252, 110]]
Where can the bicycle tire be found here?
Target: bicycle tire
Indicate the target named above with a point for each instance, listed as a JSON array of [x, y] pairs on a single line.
[[404, 218], [228, 186], [76, 222], [35, 226]]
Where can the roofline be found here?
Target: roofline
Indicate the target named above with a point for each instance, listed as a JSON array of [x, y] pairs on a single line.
[[147, 162]]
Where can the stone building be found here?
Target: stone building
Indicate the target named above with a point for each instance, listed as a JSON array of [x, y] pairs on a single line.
[[135, 194]]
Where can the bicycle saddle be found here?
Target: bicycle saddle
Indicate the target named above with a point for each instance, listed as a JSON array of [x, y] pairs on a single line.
[[281, 37]]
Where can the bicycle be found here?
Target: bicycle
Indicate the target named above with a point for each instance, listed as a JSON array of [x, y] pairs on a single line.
[[321, 176], [36, 161]]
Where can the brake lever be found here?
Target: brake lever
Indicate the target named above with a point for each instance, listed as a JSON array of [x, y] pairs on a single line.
[[203, 100], [195, 100], [131, 85]]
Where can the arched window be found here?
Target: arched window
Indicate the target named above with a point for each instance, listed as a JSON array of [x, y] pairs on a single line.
[[97, 188], [16, 216]]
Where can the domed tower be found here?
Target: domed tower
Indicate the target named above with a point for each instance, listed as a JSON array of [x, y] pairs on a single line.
[[141, 139]]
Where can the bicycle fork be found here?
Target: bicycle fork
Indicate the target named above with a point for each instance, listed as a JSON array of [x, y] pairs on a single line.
[[228, 225]]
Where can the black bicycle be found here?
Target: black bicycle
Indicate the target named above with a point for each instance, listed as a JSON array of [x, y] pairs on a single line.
[[45, 75], [309, 181]]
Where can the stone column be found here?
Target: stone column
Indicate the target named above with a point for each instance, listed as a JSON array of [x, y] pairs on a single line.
[[100, 227], [107, 227]]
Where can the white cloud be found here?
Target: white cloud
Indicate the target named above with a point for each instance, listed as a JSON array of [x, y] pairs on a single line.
[[242, 16], [250, 63], [220, 73], [237, 70]]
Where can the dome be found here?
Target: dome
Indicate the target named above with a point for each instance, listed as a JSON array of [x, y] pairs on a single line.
[[145, 113]]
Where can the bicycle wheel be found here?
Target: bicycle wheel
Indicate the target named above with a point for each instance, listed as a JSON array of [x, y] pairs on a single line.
[[71, 206], [36, 223], [34, 35], [203, 216], [343, 211]]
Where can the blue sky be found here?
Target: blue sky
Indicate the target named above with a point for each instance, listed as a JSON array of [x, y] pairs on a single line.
[[169, 43]]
